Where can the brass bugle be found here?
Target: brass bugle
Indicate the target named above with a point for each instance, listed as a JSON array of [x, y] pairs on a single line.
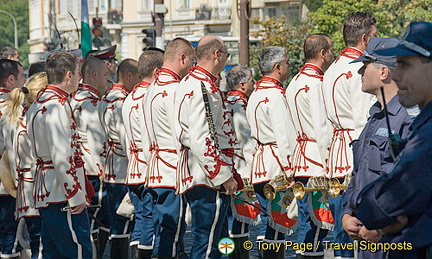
[[335, 187], [300, 190], [280, 182], [248, 189]]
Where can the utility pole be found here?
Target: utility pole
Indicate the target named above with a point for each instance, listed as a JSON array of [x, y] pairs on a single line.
[[15, 27], [244, 15], [159, 11]]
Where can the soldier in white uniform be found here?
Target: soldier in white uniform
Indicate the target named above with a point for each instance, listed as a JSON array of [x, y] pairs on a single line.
[[169, 209], [116, 163], [11, 77], [149, 64], [267, 114], [17, 105], [60, 193], [347, 108], [205, 168], [85, 103], [108, 56], [308, 132], [240, 84]]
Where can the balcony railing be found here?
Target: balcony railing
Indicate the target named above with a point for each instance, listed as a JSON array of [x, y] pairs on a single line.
[[213, 13]]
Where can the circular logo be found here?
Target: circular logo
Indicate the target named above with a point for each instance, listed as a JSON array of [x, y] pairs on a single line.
[[226, 246]]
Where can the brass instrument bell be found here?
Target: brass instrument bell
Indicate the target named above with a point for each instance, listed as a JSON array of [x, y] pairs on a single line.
[[318, 184], [280, 182], [335, 187], [248, 189]]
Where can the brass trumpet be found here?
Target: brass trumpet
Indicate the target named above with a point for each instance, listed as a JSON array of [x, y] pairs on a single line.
[[280, 182], [248, 189], [335, 187], [318, 184]]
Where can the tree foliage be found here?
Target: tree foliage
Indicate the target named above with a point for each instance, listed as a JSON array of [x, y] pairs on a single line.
[[19, 9], [393, 16], [275, 32]]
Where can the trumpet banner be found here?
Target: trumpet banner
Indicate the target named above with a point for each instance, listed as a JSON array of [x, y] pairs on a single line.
[[320, 210], [245, 212], [278, 208]]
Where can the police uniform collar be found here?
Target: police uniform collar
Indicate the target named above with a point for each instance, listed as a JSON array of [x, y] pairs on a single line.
[[422, 118], [393, 107]]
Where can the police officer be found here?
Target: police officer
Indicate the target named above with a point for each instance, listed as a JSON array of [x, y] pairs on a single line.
[[398, 205]]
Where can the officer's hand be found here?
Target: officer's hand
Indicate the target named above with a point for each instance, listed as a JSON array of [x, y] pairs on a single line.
[[352, 226], [396, 227], [370, 235], [78, 209], [230, 186]]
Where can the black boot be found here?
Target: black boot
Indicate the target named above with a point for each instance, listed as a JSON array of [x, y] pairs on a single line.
[[239, 251], [119, 248], [144, 253], [273, 253], [134, 251], [102, 240]]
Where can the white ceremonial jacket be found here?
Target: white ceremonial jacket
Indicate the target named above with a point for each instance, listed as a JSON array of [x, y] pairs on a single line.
[[268, 116], [110, 113], [26, 170], [6, 135], [200, 161], [85, 104], [53, 135], [159, 120], [133, 116], [244, 148], [308, 125], [347, 108]]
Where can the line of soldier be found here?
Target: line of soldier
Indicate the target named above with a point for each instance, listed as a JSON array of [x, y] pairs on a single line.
[[164, 136]]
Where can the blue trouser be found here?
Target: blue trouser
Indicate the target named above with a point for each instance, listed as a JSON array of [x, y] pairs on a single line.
[[170, 224], [308, 232], [34, 228], [8, 227], [120, 226], [65, 235], [208, 208], [147, 232], [339, 234], [138, 211], [101, 214], [270, 233]]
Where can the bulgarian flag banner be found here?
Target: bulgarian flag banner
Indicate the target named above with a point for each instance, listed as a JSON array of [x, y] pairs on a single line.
[[86, 38]]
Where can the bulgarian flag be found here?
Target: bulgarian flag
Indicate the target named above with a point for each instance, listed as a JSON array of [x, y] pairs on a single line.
[[86, 38]]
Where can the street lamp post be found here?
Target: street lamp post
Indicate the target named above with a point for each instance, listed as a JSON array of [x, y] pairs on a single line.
[[15, 27]]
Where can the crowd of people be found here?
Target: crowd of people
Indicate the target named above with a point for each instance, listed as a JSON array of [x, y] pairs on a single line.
[[95, 152]]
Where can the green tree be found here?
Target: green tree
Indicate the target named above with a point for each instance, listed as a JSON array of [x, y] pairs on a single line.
[[393, 16], [19, 9], [275, 32]]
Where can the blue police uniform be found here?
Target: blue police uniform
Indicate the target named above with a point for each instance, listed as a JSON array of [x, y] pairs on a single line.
[[372, 156], [404, 191]]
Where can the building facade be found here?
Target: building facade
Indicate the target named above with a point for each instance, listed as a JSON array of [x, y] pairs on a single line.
[[124, 20]]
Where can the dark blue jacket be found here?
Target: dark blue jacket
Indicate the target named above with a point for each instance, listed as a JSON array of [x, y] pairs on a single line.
[[371, 152], [405, 190]]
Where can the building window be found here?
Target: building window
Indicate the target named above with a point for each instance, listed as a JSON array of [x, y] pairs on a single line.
[[270, 11], [292, 12], [185, 4]]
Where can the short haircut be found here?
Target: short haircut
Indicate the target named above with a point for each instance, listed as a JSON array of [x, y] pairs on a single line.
[[90, 65], [148, 61], [126, 66], [356, 24], [314, 43], [205, 49], [177, 46], [8, 51], [58, 64], [237, 75], [36, 68], [8, 67], [269, 57]]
